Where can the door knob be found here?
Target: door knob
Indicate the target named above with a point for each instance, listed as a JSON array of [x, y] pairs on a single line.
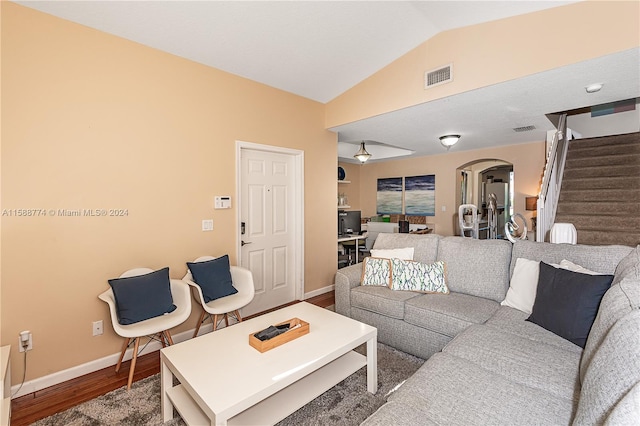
[[242, 243]]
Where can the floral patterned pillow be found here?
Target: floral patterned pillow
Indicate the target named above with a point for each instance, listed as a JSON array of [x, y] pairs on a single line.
[[416, 276], [376, 271]]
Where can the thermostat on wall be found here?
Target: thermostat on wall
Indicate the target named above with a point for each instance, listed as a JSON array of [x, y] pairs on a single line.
[[223, 202]]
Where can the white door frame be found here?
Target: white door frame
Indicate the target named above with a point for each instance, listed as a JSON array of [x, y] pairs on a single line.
[[298, 206]]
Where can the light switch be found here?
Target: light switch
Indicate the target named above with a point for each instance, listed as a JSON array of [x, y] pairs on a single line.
[[444, 208], [207, 225]]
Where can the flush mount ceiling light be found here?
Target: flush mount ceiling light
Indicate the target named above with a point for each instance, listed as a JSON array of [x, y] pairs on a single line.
[[449, 140], [593, 88], [362, 155]]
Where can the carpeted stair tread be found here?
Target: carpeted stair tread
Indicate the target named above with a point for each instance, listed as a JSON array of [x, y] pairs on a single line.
[[613, 208], [631, 148], [587, 195], [629, 138], [601, 222], [597, 237], [597, 172], [597, 183], [603, 161]]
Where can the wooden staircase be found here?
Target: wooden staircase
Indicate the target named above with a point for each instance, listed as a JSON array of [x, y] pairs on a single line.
[[600, 192]]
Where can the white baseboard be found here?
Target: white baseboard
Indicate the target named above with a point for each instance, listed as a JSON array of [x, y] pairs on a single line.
[[319, 291], [98, 364]]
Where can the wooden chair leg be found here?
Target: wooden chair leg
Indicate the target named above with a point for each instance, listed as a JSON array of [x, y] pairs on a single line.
[[215, 321], [167, 335], [226, 320], [133, 362], [163, 339], [237, 314], [202, 315], [124, 349]]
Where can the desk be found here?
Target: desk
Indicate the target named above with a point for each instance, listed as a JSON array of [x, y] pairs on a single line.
[[355, 238]]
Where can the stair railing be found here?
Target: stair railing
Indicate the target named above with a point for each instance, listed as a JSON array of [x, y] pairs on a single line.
[[552, 180]]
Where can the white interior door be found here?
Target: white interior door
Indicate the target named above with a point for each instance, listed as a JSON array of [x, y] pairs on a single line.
[[267, 210]]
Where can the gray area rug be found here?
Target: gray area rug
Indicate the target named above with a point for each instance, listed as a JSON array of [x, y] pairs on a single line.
[[347, 403]]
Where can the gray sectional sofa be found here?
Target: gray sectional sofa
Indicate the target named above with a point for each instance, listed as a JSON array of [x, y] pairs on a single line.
[[485, 363]]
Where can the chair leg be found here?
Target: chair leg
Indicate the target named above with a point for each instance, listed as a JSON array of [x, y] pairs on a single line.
[[237, 314], [215, 322], [124, 349], [167, 336], [200, 321], [133, 362], [163, 339], [226, 320]]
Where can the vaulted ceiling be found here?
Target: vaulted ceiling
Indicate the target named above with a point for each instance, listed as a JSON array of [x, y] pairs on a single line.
[[320, 49]]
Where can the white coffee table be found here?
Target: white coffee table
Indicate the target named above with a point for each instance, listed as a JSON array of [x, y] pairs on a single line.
[[223, 380]]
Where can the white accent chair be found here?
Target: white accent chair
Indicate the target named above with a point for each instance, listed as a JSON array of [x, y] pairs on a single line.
[[222, 307], [471, 227], [155, 328]]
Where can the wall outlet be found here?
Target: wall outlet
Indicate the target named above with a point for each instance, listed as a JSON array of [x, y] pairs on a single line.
[[25, 341], [97, 328]]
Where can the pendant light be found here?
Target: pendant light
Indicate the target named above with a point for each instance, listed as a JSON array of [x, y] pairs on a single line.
[[362, 155]]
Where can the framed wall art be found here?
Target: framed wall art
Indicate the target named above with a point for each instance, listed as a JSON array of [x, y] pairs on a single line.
[[420, 195], [389, 196]]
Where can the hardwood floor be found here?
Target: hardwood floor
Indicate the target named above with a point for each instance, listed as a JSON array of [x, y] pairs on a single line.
[[43, 403]]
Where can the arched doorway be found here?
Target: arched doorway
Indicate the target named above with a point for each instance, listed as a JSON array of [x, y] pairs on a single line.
[[479, 178]]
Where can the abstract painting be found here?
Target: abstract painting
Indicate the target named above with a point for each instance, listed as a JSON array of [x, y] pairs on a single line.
[[420, 195], [389, 196]]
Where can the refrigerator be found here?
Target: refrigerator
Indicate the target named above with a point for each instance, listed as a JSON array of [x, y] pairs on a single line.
[[501, 189]]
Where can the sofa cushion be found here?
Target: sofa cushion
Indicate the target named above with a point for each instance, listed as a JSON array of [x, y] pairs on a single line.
[[514, 321], [628, 267], [381, 300], [425, 247], [617, 302], [476, 267], [626, 410], [453, 391], [567, 302], [568, 265], [448, 314], [603, 259], [417, 276], [376, 271], [612, 374], [397, 413], [401, 335], [524, 282], [523, 285], [519, 359], [405, 253]]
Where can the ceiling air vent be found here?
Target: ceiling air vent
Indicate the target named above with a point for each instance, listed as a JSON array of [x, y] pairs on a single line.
[[438, 76], [524, 129]]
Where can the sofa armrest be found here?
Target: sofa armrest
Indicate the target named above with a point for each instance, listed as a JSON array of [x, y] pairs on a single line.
[[346, 279]]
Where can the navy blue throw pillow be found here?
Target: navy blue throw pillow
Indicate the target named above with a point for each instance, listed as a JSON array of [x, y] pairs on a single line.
[[142, 297], [567, 302], [213, 277]]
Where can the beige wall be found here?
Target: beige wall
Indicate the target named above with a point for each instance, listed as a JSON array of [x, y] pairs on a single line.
[[527, 160], [92, 121], [493, 52]]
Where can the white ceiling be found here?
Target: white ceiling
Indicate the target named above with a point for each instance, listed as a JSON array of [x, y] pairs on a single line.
[[319, 49]]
